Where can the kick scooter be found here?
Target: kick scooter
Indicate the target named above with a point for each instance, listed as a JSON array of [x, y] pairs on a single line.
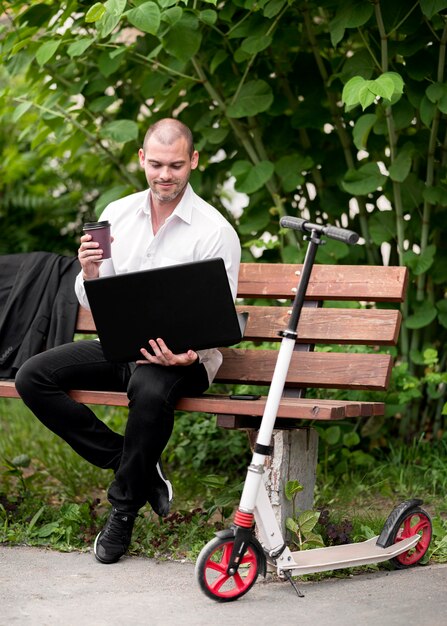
[[228, 566]]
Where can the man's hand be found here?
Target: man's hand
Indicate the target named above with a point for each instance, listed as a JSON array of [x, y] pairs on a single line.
[[89, 254], [163, 356]]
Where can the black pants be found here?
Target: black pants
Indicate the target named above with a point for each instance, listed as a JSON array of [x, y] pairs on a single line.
[[153, 390]]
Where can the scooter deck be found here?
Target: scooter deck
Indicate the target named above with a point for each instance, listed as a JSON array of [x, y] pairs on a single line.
[[348, 555]]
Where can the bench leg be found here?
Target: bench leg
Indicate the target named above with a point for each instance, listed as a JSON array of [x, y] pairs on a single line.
[[294, 457]]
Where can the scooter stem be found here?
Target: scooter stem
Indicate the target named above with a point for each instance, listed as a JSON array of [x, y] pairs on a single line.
[[289, 336]]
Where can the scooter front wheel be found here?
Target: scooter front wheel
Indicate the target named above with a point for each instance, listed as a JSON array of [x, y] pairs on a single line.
[[412, 522], [211, 570]]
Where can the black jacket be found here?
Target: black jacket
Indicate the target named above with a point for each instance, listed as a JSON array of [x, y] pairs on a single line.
[[38, 305]]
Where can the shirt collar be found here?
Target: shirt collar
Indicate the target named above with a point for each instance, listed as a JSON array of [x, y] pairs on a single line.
[[183, 210]]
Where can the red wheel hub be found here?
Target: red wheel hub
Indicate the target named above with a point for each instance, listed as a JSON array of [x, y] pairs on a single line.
[[414, 524], [222, 584]]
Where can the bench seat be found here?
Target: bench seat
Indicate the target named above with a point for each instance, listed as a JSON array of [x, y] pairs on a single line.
[[293, 408]]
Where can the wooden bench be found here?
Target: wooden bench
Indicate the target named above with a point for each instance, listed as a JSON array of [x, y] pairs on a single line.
[[266, 289]]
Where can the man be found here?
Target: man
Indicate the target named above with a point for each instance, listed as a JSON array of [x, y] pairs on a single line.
[[163, 225]]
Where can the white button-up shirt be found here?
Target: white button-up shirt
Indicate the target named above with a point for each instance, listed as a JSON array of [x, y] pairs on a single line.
[[193, 232]]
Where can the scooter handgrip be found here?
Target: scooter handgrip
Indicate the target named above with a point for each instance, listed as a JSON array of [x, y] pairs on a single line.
[[296, 223], [341, 234]]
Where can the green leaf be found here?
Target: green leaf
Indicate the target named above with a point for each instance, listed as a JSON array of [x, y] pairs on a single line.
[[397, 80], [20, 110], [184, 38], [292, 488], [100, 104], [349, 15], [332, 435], [350, 93], [435, 195], [435, 91], [362, 128], [254, 44], [401, 166], [253, 222], [427, 111], [217, 59], [420, 263], [437, 94], [332, 251], [307, 520], [36, 15], [431, 7], [289, 168], [120, 131], [423, 316], [383, 86], [255, 97], [366, 95], [48, 529], [95, 12], [273, 7], [351, 439], [111, 18], [46, 51], [172, 15], [250, 178], [208, 16], [292, 525], [366, 179], [108, 64], [382, 226], [78, 47], [215, 135], [115, 7], [145, 17], [441, 305], [314, 540]]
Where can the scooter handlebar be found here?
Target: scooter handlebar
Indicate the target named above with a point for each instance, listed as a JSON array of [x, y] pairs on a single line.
[[333, 232]]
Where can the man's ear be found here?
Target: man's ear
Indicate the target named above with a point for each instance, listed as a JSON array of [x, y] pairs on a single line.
[[194, 160], [141, 156]]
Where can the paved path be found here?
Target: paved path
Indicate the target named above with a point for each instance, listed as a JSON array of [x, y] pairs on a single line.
[[46, 588]]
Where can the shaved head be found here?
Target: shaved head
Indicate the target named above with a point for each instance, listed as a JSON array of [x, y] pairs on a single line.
[[167, 131]]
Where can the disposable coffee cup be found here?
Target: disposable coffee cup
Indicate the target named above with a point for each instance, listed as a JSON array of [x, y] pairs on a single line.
[[100, 232]]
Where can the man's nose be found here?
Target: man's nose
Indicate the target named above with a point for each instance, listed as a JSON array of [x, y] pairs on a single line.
[[165, 172]]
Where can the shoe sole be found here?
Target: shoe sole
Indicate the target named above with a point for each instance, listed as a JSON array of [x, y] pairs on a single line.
[[94, 549], [166, 482]]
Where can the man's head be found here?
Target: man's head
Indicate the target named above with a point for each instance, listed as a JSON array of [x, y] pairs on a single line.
[[167, 157]]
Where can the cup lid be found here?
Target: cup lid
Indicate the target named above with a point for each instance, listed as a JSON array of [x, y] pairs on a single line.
[[91, 225]]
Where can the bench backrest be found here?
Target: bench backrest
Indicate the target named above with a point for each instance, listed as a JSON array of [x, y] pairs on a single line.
[[276, 285]]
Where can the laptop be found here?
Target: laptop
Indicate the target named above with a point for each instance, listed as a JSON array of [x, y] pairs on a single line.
[[190, 306]]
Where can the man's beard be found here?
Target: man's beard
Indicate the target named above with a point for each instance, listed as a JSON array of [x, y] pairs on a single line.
[[167, 198]]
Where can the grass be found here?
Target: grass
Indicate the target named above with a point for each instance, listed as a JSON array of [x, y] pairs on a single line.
[[49, 496]]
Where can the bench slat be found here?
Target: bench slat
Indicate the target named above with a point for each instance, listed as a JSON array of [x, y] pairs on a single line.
[[308, 369], [345, 326], [290, 408], [327, 282]]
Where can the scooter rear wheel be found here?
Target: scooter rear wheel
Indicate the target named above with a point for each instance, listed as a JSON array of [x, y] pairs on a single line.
[[413, 522], [211, 570]]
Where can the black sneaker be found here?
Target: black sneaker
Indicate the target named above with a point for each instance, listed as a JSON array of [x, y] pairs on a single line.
[[160, 494], [114, 539]]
